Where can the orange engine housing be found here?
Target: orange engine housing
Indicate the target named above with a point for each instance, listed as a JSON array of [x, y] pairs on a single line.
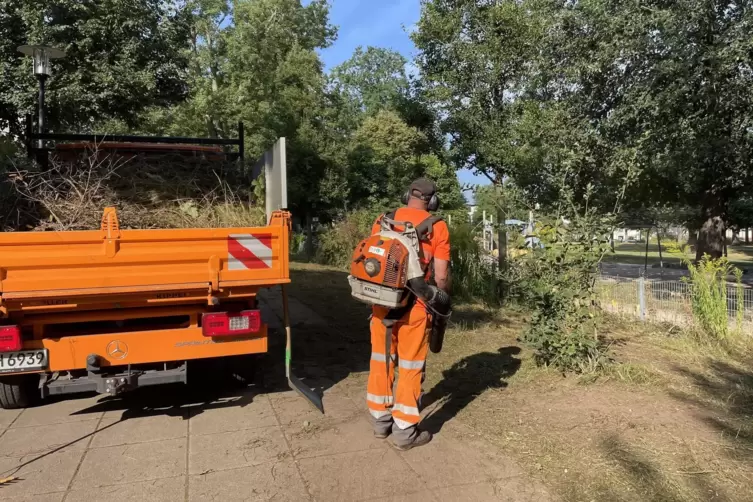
[[380, 260]]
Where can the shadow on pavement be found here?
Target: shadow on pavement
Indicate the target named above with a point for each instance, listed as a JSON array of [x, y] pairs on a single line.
[[465, 381]]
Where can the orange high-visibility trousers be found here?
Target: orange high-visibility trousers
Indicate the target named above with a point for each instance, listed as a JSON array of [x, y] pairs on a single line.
[[408, 348]]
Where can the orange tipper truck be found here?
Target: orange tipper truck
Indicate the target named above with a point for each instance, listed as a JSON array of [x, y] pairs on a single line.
[[110, 310]]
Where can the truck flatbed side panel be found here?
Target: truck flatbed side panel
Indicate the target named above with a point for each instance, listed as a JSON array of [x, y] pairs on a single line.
[[35, 264]]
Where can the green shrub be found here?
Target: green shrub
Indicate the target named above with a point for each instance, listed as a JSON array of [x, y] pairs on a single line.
[[709, 297], [474, 274], [336, 244], [709, 294], [556, 283]]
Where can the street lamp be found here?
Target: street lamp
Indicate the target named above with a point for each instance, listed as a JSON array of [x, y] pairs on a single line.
[[41, 56]]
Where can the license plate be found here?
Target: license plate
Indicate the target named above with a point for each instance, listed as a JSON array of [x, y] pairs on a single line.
[[27, 360]]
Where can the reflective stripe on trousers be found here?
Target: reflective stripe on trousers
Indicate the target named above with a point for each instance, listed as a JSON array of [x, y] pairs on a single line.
[[410, 343]]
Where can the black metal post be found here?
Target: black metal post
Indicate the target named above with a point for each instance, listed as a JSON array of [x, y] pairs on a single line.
[[241, 143], [40, 105], [648, 236], [661, 257], [27, 140]]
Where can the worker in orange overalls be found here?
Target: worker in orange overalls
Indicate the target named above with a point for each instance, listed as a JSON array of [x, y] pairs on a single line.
[[409, 328]]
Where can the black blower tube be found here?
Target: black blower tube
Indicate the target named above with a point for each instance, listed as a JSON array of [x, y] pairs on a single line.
[[439, 301]]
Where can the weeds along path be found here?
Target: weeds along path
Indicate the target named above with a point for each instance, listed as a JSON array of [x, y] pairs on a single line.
[[669, 421]]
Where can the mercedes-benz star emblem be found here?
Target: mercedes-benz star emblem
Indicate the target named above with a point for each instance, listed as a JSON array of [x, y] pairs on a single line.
[[117, 349]]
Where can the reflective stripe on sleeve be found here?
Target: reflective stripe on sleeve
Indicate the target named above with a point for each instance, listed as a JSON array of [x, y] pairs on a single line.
[[376, 356]]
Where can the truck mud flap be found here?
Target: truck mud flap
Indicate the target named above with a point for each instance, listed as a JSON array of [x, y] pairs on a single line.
[[294, 382]]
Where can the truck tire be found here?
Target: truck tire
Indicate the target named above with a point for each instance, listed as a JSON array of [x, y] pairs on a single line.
[[18, 391], [248, 369]]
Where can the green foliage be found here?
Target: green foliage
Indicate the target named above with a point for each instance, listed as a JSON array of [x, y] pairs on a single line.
[[708, 279], [601, 90], [557, 283], [336, 244], [740, 214], [383, 158], [122, 56], [474, 274], [372, 80], [356, 138], [709, 288], [508, 199]]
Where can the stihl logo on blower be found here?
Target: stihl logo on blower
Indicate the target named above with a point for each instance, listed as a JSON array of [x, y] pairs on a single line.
[[386, 270]]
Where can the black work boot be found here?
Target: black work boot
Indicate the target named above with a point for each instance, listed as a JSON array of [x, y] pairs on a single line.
[[421, 439]]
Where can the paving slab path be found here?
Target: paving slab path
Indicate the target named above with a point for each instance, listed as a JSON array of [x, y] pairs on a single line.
[[177, 443]]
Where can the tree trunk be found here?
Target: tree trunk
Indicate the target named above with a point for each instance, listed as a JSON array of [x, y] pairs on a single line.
[[502, 240], [692, 236], [711, 237], [309, 246], [735, 236]]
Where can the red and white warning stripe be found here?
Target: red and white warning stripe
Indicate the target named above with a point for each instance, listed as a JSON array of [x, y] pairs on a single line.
[[246, 251]]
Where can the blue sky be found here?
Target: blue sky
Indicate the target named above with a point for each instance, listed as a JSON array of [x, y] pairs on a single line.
[[380, 23]]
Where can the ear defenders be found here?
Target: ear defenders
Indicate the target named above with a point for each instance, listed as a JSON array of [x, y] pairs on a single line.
[[432, 204]]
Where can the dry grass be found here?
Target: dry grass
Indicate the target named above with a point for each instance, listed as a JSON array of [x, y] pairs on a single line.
[[671, 420], [148, 193]]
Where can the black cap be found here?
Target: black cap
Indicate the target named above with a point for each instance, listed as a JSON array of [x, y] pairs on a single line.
[[425, 187]]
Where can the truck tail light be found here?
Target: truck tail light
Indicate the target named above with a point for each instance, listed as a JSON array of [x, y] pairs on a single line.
[[10, 339], [231, 324]]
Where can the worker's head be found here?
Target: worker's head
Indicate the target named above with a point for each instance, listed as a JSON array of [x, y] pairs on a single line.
[[422, 194]]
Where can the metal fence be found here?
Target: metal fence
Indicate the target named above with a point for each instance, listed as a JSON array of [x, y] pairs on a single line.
[[665, 301]]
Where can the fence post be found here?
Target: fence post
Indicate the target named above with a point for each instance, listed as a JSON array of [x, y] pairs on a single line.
[[642, 297]]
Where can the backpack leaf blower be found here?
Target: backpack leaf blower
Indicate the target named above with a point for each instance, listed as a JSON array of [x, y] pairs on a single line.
[[386, 270]]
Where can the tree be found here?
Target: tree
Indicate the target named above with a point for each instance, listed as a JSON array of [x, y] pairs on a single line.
[[376, 79], [485, 71], [373, 79], [386, 156], [740, 215], [383, 159], [472, 57], [648, 94], [255, 61], [448, 187], [122, 56], [509, 201], [670, 82]]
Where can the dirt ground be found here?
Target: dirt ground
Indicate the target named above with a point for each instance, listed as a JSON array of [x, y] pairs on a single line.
[[669, 421]]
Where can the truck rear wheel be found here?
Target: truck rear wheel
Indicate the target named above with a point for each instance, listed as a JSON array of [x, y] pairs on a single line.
[[18, 391], [247, 369]]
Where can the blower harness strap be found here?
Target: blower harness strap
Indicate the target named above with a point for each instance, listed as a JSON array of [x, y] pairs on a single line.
[[389, 321]]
